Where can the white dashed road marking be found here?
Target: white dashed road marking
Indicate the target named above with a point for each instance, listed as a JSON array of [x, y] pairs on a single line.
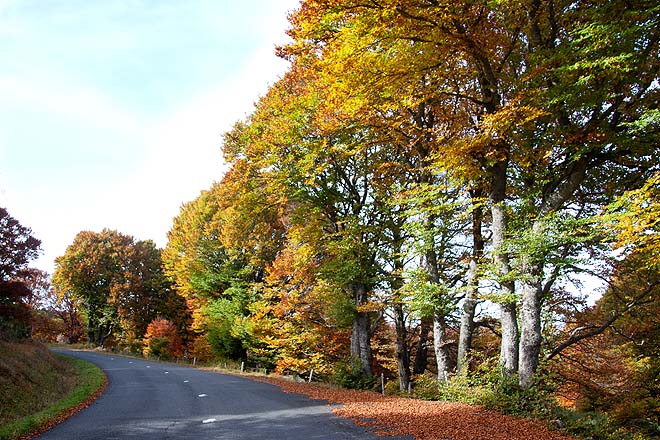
[[202, 395], [208, 421]]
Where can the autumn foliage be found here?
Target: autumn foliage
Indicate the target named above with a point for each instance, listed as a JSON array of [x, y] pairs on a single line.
[[162, 340]]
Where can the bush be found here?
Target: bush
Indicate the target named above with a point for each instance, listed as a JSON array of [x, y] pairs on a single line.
[[485, 387], [350, 375], [162, 340], [456, 389]]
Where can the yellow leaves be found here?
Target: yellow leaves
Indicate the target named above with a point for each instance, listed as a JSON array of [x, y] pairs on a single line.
[[493, 138], [371, 306], [635, 221]]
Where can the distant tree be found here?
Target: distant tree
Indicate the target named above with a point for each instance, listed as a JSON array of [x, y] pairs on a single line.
[[117, 282], [14, 311], [17, 248], [88, 270], [67, 308], [38, 281]]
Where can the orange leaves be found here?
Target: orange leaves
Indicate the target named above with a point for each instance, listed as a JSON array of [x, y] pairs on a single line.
[[162, 339]]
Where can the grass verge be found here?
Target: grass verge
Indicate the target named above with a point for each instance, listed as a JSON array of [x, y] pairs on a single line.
[[90, 383]]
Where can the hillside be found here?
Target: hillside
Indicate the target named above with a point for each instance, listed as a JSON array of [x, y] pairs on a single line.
[[31, 378]]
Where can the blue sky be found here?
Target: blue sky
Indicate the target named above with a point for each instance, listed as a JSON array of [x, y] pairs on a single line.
[[112, 111]]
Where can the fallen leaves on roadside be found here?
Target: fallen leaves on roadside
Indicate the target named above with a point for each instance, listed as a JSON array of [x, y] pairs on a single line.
[[395, 416]]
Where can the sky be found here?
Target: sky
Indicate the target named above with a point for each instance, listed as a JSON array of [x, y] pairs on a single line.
[[112, 111]]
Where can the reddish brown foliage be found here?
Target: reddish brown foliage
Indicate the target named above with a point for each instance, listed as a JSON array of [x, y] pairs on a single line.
[[162, 339]]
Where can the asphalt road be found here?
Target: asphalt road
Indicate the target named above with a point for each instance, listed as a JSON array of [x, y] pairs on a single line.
[[148, 400]]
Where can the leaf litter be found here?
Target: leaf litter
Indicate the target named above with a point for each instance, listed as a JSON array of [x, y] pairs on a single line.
[[425, 420]]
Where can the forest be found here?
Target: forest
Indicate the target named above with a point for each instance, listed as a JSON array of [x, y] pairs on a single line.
[[457, 196]]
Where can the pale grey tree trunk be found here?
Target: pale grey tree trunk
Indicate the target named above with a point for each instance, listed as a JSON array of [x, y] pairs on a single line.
[[508, 308], [440, 345], [471, 297], [530, 332], [531, 269], [510, 336], [509, 320], [361, 331], [467, 318], [430, 264]]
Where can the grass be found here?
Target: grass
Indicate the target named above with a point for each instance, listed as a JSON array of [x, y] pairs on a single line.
[[39, 389]]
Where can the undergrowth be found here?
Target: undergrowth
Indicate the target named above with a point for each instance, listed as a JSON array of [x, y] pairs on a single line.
[[488, 389]]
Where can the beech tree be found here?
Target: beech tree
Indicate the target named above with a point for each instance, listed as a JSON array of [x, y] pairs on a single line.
[[219, 244]]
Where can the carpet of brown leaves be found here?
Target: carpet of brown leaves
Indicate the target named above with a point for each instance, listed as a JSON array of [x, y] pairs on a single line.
[[424, 420]]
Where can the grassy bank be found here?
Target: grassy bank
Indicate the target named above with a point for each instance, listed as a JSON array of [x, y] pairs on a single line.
[[38, 388]]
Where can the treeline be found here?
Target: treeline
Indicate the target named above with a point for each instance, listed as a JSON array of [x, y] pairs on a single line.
[[421, 158], [422, 164]]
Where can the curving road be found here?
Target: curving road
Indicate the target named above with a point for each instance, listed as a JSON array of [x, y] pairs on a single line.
[[148, 400]]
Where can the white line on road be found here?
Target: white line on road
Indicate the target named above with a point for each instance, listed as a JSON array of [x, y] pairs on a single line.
[[208, 421], [202, 395]]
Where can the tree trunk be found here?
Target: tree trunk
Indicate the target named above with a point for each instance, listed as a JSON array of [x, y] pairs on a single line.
[[471, 297], [532, 272], [422, 353], [467, 318], [402, 354], [530, 333], [509, 321], [440, 345], [361, 335], [530, 315], [430, 263], [510, 336]]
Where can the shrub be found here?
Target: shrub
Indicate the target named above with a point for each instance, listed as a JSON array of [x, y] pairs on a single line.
[[350, 375], [162, 340]]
